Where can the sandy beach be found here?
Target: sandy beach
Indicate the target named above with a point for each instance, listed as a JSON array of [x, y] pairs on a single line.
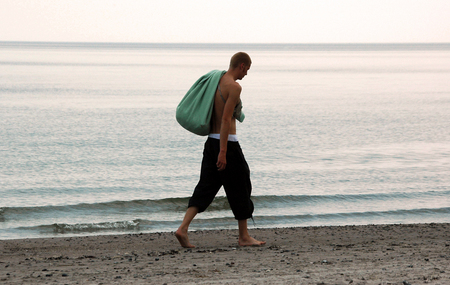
[[372, 254]]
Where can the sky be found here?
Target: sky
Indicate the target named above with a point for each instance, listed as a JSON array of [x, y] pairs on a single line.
[[226, 21]]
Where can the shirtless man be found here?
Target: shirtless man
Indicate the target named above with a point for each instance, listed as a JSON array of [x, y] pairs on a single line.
[[223, 162]]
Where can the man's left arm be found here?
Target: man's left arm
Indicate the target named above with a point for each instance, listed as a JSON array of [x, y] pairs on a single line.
[[233, 99]]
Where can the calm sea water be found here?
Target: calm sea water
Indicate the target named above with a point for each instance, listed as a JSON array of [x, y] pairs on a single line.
[[334, 135]]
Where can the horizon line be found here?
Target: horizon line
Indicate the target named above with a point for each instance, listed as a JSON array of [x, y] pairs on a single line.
[[223, 43], [232, 46]]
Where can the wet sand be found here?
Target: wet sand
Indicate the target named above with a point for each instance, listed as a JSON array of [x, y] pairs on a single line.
[[373, 254]]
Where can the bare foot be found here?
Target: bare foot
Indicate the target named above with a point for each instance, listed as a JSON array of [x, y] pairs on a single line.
[[250, 242], [183, 238]]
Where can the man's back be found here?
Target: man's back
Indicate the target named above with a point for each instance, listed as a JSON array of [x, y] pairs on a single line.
[[226, 87]]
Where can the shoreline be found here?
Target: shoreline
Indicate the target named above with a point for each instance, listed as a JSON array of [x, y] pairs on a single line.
[[366, 254]]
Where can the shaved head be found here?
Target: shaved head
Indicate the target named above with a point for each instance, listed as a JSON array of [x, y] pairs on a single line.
[[238, 58]]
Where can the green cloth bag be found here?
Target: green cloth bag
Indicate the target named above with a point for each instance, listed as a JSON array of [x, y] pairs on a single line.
[[195, 109]]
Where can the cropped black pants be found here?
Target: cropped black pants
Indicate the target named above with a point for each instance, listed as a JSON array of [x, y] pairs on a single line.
[[235, 180]]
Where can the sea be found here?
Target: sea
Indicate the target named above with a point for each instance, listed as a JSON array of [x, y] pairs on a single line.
[[334, 134]]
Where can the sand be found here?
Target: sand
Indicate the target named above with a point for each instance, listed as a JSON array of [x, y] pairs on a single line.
[[373, 254]]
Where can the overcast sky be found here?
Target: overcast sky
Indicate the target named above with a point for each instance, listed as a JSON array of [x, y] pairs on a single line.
[[226, 21]]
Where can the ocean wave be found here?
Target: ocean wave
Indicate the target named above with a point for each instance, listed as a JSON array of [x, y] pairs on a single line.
[[262, 221], [89, 227], [356, 215], [169, 204], [178, 205], [102, 227], [2, 216]]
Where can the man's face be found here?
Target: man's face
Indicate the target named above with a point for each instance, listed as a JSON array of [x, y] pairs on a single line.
[[244, 69]]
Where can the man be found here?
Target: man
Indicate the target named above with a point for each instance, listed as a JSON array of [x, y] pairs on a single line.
[[223, 161]]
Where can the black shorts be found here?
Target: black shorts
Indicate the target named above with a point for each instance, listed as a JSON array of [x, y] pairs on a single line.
[[235, 179]]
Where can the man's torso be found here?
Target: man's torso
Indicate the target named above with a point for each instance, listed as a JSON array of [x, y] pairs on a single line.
[[220, 99]]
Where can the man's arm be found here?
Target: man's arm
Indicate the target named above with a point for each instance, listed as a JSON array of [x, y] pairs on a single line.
[[233, 99]]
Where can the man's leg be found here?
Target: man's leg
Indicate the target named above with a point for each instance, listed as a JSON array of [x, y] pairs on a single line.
[[182, 231], [244, 237], [205, 191]]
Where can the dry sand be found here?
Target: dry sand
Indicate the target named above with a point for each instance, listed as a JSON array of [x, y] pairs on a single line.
[[374, 254]]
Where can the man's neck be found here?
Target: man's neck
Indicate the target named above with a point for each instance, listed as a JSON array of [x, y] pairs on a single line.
[[233, 73]]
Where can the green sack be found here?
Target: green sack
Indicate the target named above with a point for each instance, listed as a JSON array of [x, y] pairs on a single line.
[[195, 109]]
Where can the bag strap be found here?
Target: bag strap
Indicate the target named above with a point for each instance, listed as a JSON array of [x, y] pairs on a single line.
[[220, 93]]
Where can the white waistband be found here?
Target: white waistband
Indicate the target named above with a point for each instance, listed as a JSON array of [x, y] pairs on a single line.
[[231, 138]]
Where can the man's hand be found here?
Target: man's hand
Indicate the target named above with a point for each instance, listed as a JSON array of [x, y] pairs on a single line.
[[221, 161]]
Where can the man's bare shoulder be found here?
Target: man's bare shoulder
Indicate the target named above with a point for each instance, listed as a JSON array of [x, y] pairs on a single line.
[[232, 86]]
